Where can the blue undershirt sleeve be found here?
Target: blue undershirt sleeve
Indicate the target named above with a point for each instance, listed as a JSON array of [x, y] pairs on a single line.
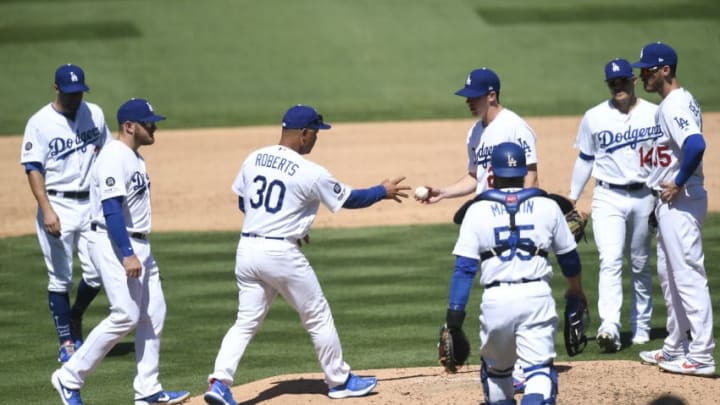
[[112, 209], [30, 166], [570, 263], [693, 150], [587, 158], [365, 197], [461, 282]]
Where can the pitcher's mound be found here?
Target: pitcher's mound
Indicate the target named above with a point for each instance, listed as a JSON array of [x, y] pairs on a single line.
[[584, 382]]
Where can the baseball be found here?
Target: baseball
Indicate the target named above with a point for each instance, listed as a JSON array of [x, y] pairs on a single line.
[[422, 193]]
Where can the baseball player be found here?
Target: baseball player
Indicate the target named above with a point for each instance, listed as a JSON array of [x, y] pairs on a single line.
[[59, 147], [676, 176], [280, 192], [509, 233], [496, 124], [614, 140], [119, 248]]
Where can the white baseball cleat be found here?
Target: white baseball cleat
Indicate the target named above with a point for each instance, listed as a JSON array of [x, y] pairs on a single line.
[[655, 357], [67, 395], [640, 338], [688, 366]]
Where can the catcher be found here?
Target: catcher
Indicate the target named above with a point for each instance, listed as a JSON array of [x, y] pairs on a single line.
[[509, 232]]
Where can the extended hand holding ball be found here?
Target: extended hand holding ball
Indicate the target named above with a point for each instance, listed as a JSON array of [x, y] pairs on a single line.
[[422, 193]]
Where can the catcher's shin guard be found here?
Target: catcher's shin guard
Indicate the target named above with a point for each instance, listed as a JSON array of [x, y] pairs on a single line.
[[538, 391], [497, 385]]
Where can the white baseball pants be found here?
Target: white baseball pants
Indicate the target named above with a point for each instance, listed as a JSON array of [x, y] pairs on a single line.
[[265, 268], [135, 303]]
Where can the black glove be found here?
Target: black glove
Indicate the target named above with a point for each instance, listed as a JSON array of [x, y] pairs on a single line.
[[453, 345], [577, 318]]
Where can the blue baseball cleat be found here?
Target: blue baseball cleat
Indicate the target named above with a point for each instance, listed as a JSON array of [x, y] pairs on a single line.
[[354, 387], [218, 393], [67, 349], [164, 398], [67, 395]]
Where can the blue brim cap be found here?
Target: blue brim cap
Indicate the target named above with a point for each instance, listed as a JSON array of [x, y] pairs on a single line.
[[479, 83], [70, 79], [656, 54], [303, 116], [618, 69], [137, 110]]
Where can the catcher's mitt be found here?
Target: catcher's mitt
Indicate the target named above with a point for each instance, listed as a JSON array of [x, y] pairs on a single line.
[[575, 219], [453, 345], [453, 348], [577, 318]]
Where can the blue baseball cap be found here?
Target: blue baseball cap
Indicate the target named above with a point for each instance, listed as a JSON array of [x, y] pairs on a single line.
[[479, 83], [656, 54], [618, 68], [303, 116], [508, 160], [137, 110], [70, 79]]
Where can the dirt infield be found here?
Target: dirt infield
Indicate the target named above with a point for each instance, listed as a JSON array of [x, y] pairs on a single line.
[[191, 172], [581, 383]]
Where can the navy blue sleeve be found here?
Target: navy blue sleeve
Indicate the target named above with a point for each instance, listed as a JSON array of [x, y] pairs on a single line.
[[693, 150], [30, 166], [112, 209], [585, 157], [241, 204], [365, 197], [461, 282], [570, 263]]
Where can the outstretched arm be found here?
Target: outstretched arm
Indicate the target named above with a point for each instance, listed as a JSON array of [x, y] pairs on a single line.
[[388, 189], [464, 186]]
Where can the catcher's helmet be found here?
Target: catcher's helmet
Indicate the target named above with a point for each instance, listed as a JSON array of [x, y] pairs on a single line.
[[508, 160]]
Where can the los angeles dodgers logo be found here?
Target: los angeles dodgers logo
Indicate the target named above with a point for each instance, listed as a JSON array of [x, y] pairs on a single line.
[[139, 183], [629, 138]]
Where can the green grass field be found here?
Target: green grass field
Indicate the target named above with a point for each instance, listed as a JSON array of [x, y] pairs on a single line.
[[240, 62], [388, 293], [243, 62]]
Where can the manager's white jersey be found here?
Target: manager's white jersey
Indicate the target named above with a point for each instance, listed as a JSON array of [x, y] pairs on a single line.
[[506, 127], [282, 192], [65, 148], [679, 116], [487, 224], [120, 171], [620, 143]]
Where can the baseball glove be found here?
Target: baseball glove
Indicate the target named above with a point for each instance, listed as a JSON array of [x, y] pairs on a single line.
[[453, 346], [577, 318], [575, 219]]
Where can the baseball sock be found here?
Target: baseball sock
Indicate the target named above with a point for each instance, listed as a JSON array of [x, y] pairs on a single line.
[[85, 295], [60, 309]]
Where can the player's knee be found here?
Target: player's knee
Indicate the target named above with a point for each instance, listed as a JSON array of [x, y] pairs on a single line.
[[124, 321]]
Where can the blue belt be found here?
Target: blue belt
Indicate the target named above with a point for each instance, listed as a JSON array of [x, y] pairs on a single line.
[[134, 235], [254, 235], [521, 281], [624, 187]]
